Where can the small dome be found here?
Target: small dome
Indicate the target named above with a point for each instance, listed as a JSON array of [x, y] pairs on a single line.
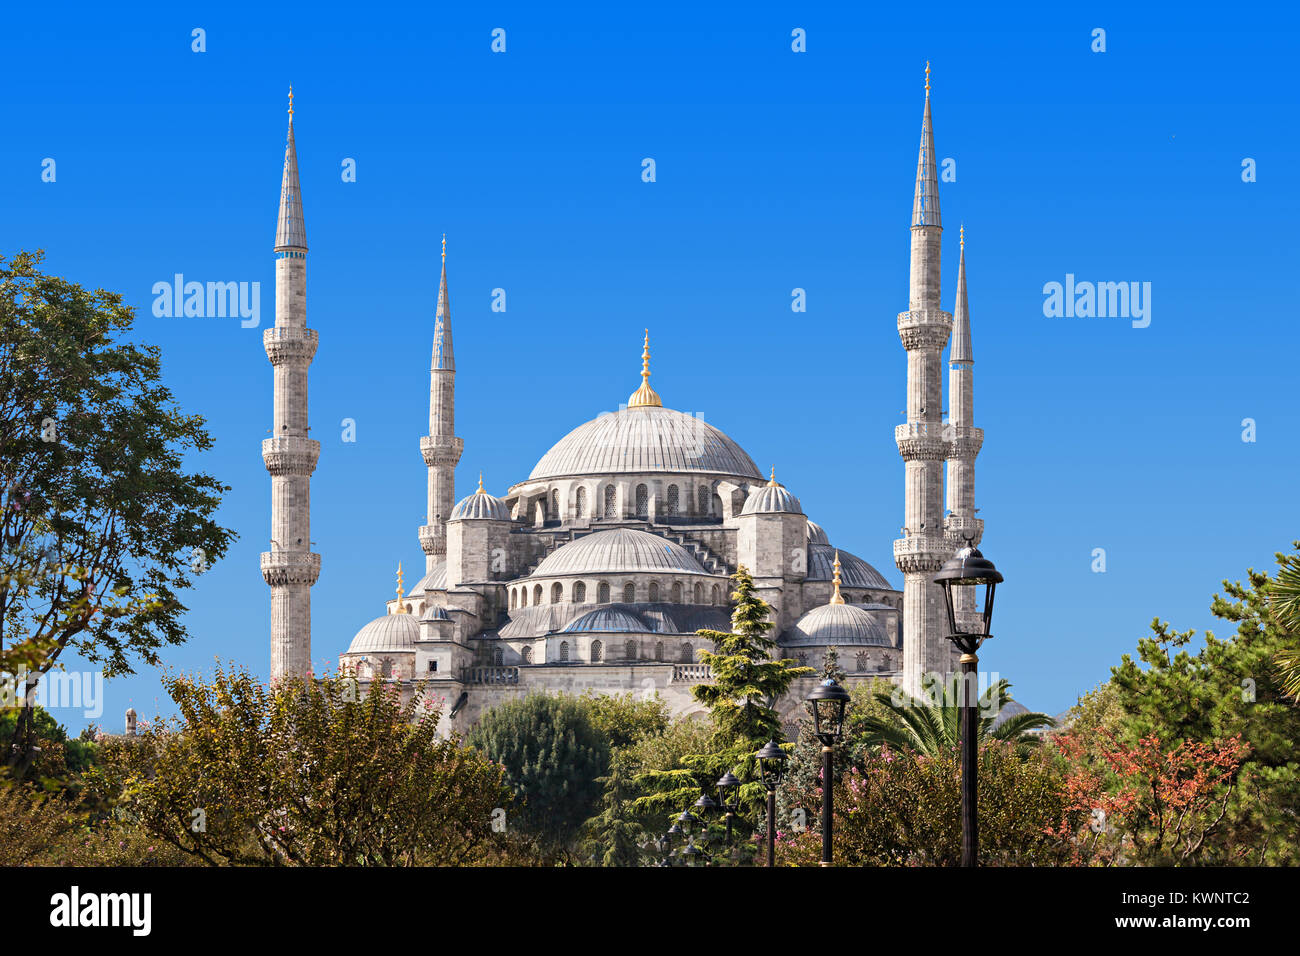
[[771, 499], [608, 620], [435, 612], [854, 572], [480, 506], [387, 634], [839, 624], [435, 580], [816, 535], [618, 550]]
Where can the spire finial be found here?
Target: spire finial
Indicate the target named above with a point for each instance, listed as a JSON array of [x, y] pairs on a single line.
[[480, 485], [645, 395], [401, 608], [836, 598], [771, 481], [290, 102], [444, 247], [927, 77], [962, 233]]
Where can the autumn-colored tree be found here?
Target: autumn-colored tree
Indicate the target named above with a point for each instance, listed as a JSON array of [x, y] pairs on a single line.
[[1147, 804]]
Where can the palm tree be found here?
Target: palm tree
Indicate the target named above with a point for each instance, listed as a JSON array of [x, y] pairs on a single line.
[[935, 729], [1284, 601]]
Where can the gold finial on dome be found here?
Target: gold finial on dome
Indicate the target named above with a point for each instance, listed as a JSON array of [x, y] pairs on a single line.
[[401, 608], [645, 396], [480, 485], [837, 598], [771, 482]]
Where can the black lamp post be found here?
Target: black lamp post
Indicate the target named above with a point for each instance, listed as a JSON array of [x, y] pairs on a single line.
[[728, 799], [771, 764], [826, 704], [968, 569]]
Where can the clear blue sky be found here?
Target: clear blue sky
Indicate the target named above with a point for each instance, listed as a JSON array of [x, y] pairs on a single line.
[[775, 170]]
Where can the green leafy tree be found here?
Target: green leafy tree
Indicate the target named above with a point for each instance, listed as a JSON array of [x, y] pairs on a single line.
[[1284, 603], [101, 523], [741, 701], [625, 719], [554, 756], [304, 774], [614, 836], [936, 729]]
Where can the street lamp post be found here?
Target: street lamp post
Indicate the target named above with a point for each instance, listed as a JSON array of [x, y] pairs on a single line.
[[771, 764], [969, 568], [729, 799], [826, 704]]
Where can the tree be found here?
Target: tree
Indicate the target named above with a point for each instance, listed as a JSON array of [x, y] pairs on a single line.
[[1284, 603], [304, 774], [747, 683], [553, 757], [101, 524], [934, 730], [625, 719], [613, 835]]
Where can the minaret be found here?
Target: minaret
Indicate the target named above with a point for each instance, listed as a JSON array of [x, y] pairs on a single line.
[[964, 441], [924, 331], [441, 448], [290, 567]]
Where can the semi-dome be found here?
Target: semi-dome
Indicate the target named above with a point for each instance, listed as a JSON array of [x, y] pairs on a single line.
[[771, 498], [645, 438], [816, 535], [609, 620], [854, 572], [435, 612], [388, 634], [618, 550], [435, 580], [839, 624], [480, 506]]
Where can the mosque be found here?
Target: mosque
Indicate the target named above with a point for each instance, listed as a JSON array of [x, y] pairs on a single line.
[[595, 571]]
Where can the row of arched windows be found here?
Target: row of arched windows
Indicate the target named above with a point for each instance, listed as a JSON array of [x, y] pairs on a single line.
[[548, 508], [523, 596], [631, 652]]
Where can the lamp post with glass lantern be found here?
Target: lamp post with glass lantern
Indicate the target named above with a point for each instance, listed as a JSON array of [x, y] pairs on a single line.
[[969, 568], [771, 765], [826, 704]]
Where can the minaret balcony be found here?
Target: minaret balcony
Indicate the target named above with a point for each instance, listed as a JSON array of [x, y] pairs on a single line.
[[289, 345], [433, 539], [290, 567], [963, 528], [921, 441], [924, 328], [290, 456], [438, 450], [921, 553]]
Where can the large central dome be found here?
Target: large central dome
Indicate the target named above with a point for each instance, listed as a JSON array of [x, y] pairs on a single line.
[[645, 438]]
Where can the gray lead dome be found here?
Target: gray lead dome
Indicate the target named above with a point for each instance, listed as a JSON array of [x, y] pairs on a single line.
[[480, 506], [618, 550]]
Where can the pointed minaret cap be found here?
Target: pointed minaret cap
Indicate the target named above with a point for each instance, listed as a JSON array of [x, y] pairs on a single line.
[[645, 396], [836, 596], [444, 357], [401, 608], [925, 206], [290, 230], [961, 347]]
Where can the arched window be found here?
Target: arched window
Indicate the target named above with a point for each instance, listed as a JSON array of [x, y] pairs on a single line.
[[611, 508], [672, 499], [659, 650], [654, 591], [557, 592], [602, 592], [527, 654], [539, 511], [386, 667], [555, 505], [523, 597], [677, 592], [537, 594], [861, 661], [704, 499], [498, 656], [629, 650], [596, 652], [699, 594], [803, 658], [688, 655], [580, 500], [564, 650], [514, 598], [642, 501], [629, 593], [579, 593], [716, 595]]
